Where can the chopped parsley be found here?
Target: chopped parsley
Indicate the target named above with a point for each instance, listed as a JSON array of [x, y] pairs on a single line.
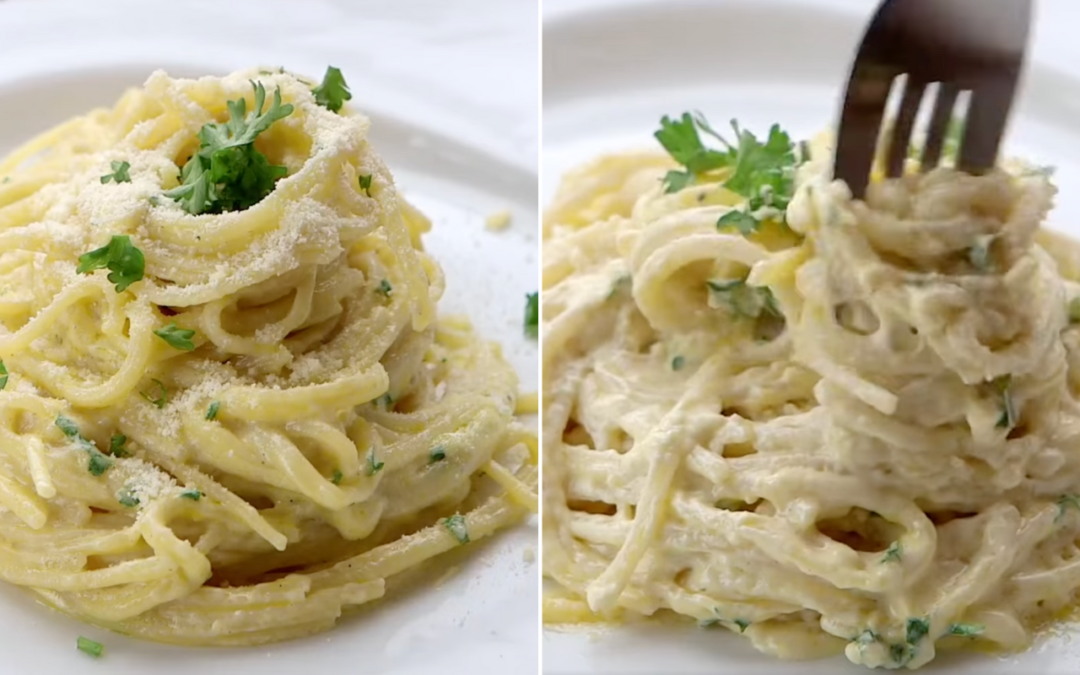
[[227, 173], [1074, 310], [99, 463], [456, 525], [178, 338], [385, 401], [967, 629], [743, 624], [3, 375], [1064, 502], [438, 454], [365, 184], [894, 553], [119, 174], [532, 315], [743, 300], [212, 411], [336, 478], [677, 363], [917, 629], [384, 289], [1008, 408], [741, 221], [162, 396], [116, 446], [333, 91], [88, 646], [373, 466], [124, 261], [127, 497], [623, 284], [193, 495], [867, 637]]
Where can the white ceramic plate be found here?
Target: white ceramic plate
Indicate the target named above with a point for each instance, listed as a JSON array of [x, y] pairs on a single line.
[[612, 68], [452, 93]]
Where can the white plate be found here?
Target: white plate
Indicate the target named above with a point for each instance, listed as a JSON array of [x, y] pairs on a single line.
[[453, 98], [612, 68]]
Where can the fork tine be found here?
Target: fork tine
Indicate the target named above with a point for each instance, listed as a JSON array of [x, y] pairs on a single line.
[[905, 122], [940, 119], [985, 126], [864, 108]]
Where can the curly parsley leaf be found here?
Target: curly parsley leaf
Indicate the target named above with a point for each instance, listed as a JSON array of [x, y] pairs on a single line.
[[917, 629], [457, 527], [742, 299], [119, 174], [125, 262], [333, 91], [228, 173], [764, 172], [178, 338], [532, 315]]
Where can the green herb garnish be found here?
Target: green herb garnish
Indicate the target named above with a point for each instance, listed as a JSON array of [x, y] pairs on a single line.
[[116, 446], [365, 184], [743, 624], [1008, 408], [119, 174], [99, 463], [532, 315], [738, 220], [336, 478], [88, 646], [3, 375], [333, 91], [438, 454], [125, 263], [743, 300], [384, 401], [228, 173], [917, 629], [967, 629], [212, 411], [677, 363], [384, 289], [894, 553], [1064, 502], [127, 497], [162, 396], [193, 495], [373, 466], [683, 142], [456, 525], [178, 338]]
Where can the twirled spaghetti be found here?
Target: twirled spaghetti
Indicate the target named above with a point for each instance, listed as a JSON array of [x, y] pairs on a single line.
[[314, 430], [855, 429]]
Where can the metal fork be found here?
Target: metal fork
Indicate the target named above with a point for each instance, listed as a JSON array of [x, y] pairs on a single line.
[[977, 46]]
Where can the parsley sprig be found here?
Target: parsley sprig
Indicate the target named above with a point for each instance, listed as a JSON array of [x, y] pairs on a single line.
[[125, 262], [228, 173], [333, 91], [763, 172]]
